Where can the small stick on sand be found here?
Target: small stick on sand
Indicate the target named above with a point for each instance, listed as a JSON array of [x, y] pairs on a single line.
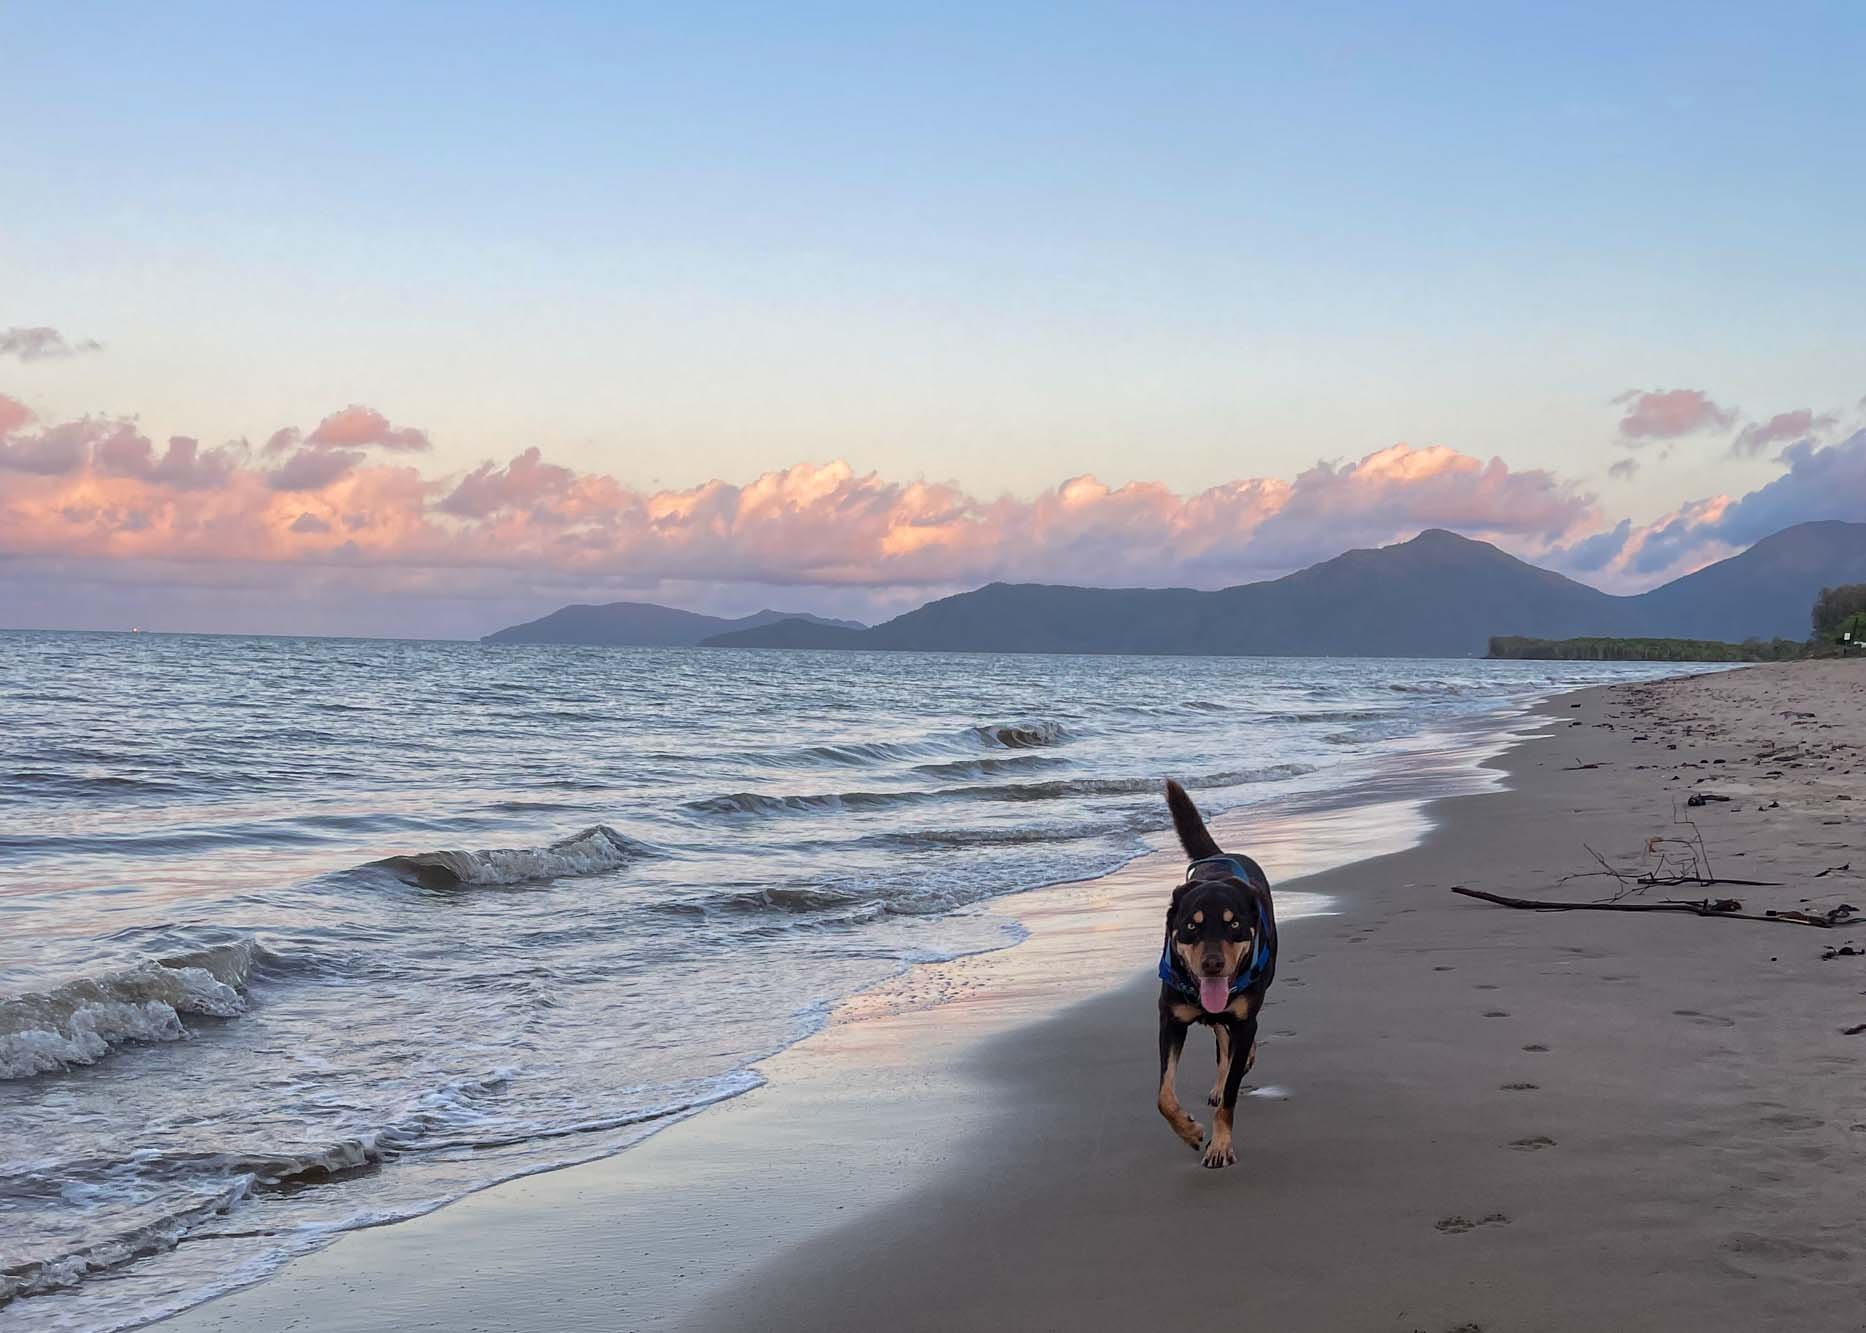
[[1724, 907]]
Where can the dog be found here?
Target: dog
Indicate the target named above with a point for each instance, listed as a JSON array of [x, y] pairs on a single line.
[[1218, 961]]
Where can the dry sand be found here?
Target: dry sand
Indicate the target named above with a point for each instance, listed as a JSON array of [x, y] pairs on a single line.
[[1468, 1117]]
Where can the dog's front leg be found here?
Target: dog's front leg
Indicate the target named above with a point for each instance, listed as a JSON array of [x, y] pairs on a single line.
[[1217, 1094], [1243, 1039], [1172, 1040]]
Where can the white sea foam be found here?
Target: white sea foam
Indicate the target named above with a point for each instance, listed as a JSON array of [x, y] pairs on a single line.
[[83, 1020]]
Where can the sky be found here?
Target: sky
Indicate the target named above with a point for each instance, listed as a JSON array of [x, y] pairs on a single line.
[[420, 319]]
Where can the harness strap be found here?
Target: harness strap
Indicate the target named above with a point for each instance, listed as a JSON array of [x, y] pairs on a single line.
[[1236, 865]]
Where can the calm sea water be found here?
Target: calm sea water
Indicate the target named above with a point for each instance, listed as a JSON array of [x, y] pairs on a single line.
[[298, 936]]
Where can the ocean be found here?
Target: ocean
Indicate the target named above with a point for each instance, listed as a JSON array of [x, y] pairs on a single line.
[[299, 936]]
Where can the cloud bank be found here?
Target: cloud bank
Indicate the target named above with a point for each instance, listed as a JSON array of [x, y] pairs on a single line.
[[95, 498], [97, 488]]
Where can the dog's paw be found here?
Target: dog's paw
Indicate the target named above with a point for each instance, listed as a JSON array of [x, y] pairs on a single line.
[[1215, 1096], [1217, 1157]]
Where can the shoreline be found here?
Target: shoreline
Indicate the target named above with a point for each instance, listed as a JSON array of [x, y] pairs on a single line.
[[1472, 1117], [914, 1028], [1487, 1119]]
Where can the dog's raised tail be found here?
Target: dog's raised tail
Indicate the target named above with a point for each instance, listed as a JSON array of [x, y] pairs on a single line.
[[1193, 835]]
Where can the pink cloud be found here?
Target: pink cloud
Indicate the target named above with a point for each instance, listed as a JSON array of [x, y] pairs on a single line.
[[490, 488], [313, 469], [1666, 414], [1783, 427], [125, 453], [1624, 470], [1401, 489], [13, 415], [357, 426], [816, 524], [54, 452]]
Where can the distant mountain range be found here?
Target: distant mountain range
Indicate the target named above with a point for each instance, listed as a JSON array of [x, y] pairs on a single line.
[[1438, 595], [645, 625]]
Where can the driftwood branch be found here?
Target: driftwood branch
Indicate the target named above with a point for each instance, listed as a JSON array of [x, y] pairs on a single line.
[[1724, 907]]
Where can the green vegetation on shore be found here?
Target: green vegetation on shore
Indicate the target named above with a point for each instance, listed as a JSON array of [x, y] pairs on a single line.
[[1516, 647], [1840, 614], [1839, 624]]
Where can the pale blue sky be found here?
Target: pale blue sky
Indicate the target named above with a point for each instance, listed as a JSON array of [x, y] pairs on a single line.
[[1001, 244]]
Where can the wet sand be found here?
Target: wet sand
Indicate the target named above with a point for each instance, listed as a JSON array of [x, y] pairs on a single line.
[[1465, 1117]]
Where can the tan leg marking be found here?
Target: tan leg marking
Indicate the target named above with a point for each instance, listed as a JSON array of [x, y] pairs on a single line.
[[1219, 1153], [1224, 1067], [1183, 1125]]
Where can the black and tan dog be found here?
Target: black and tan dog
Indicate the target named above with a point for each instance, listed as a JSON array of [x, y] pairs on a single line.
[[1218, 960]]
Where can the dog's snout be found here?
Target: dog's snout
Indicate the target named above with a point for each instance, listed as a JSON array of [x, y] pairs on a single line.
[[1212, 963]]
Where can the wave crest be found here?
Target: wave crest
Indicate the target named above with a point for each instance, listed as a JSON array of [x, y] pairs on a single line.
[[1022, 735], [84, 1020], [591, 852]]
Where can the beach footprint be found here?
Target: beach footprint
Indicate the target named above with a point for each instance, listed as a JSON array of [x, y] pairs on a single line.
[[1792, 1120], [1457, 1225]]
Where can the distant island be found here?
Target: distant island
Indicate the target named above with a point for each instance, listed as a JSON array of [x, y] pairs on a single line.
[[1509, 647], [645, 625], [1437, 595]]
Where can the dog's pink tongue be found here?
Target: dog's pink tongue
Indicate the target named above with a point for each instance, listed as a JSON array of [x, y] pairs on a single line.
[[1214, 993]]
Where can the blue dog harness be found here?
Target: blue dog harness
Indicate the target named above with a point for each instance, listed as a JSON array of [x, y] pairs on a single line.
[[1174, 976]]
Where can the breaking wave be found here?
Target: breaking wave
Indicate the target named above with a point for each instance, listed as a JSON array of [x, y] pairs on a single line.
[[594, 851], [84, 1020], [1022, 735]]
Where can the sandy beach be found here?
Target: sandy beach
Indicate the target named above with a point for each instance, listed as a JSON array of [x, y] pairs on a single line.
[[1464, 1117]]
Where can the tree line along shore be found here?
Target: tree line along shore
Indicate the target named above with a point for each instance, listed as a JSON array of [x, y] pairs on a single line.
[[1837, 623]]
